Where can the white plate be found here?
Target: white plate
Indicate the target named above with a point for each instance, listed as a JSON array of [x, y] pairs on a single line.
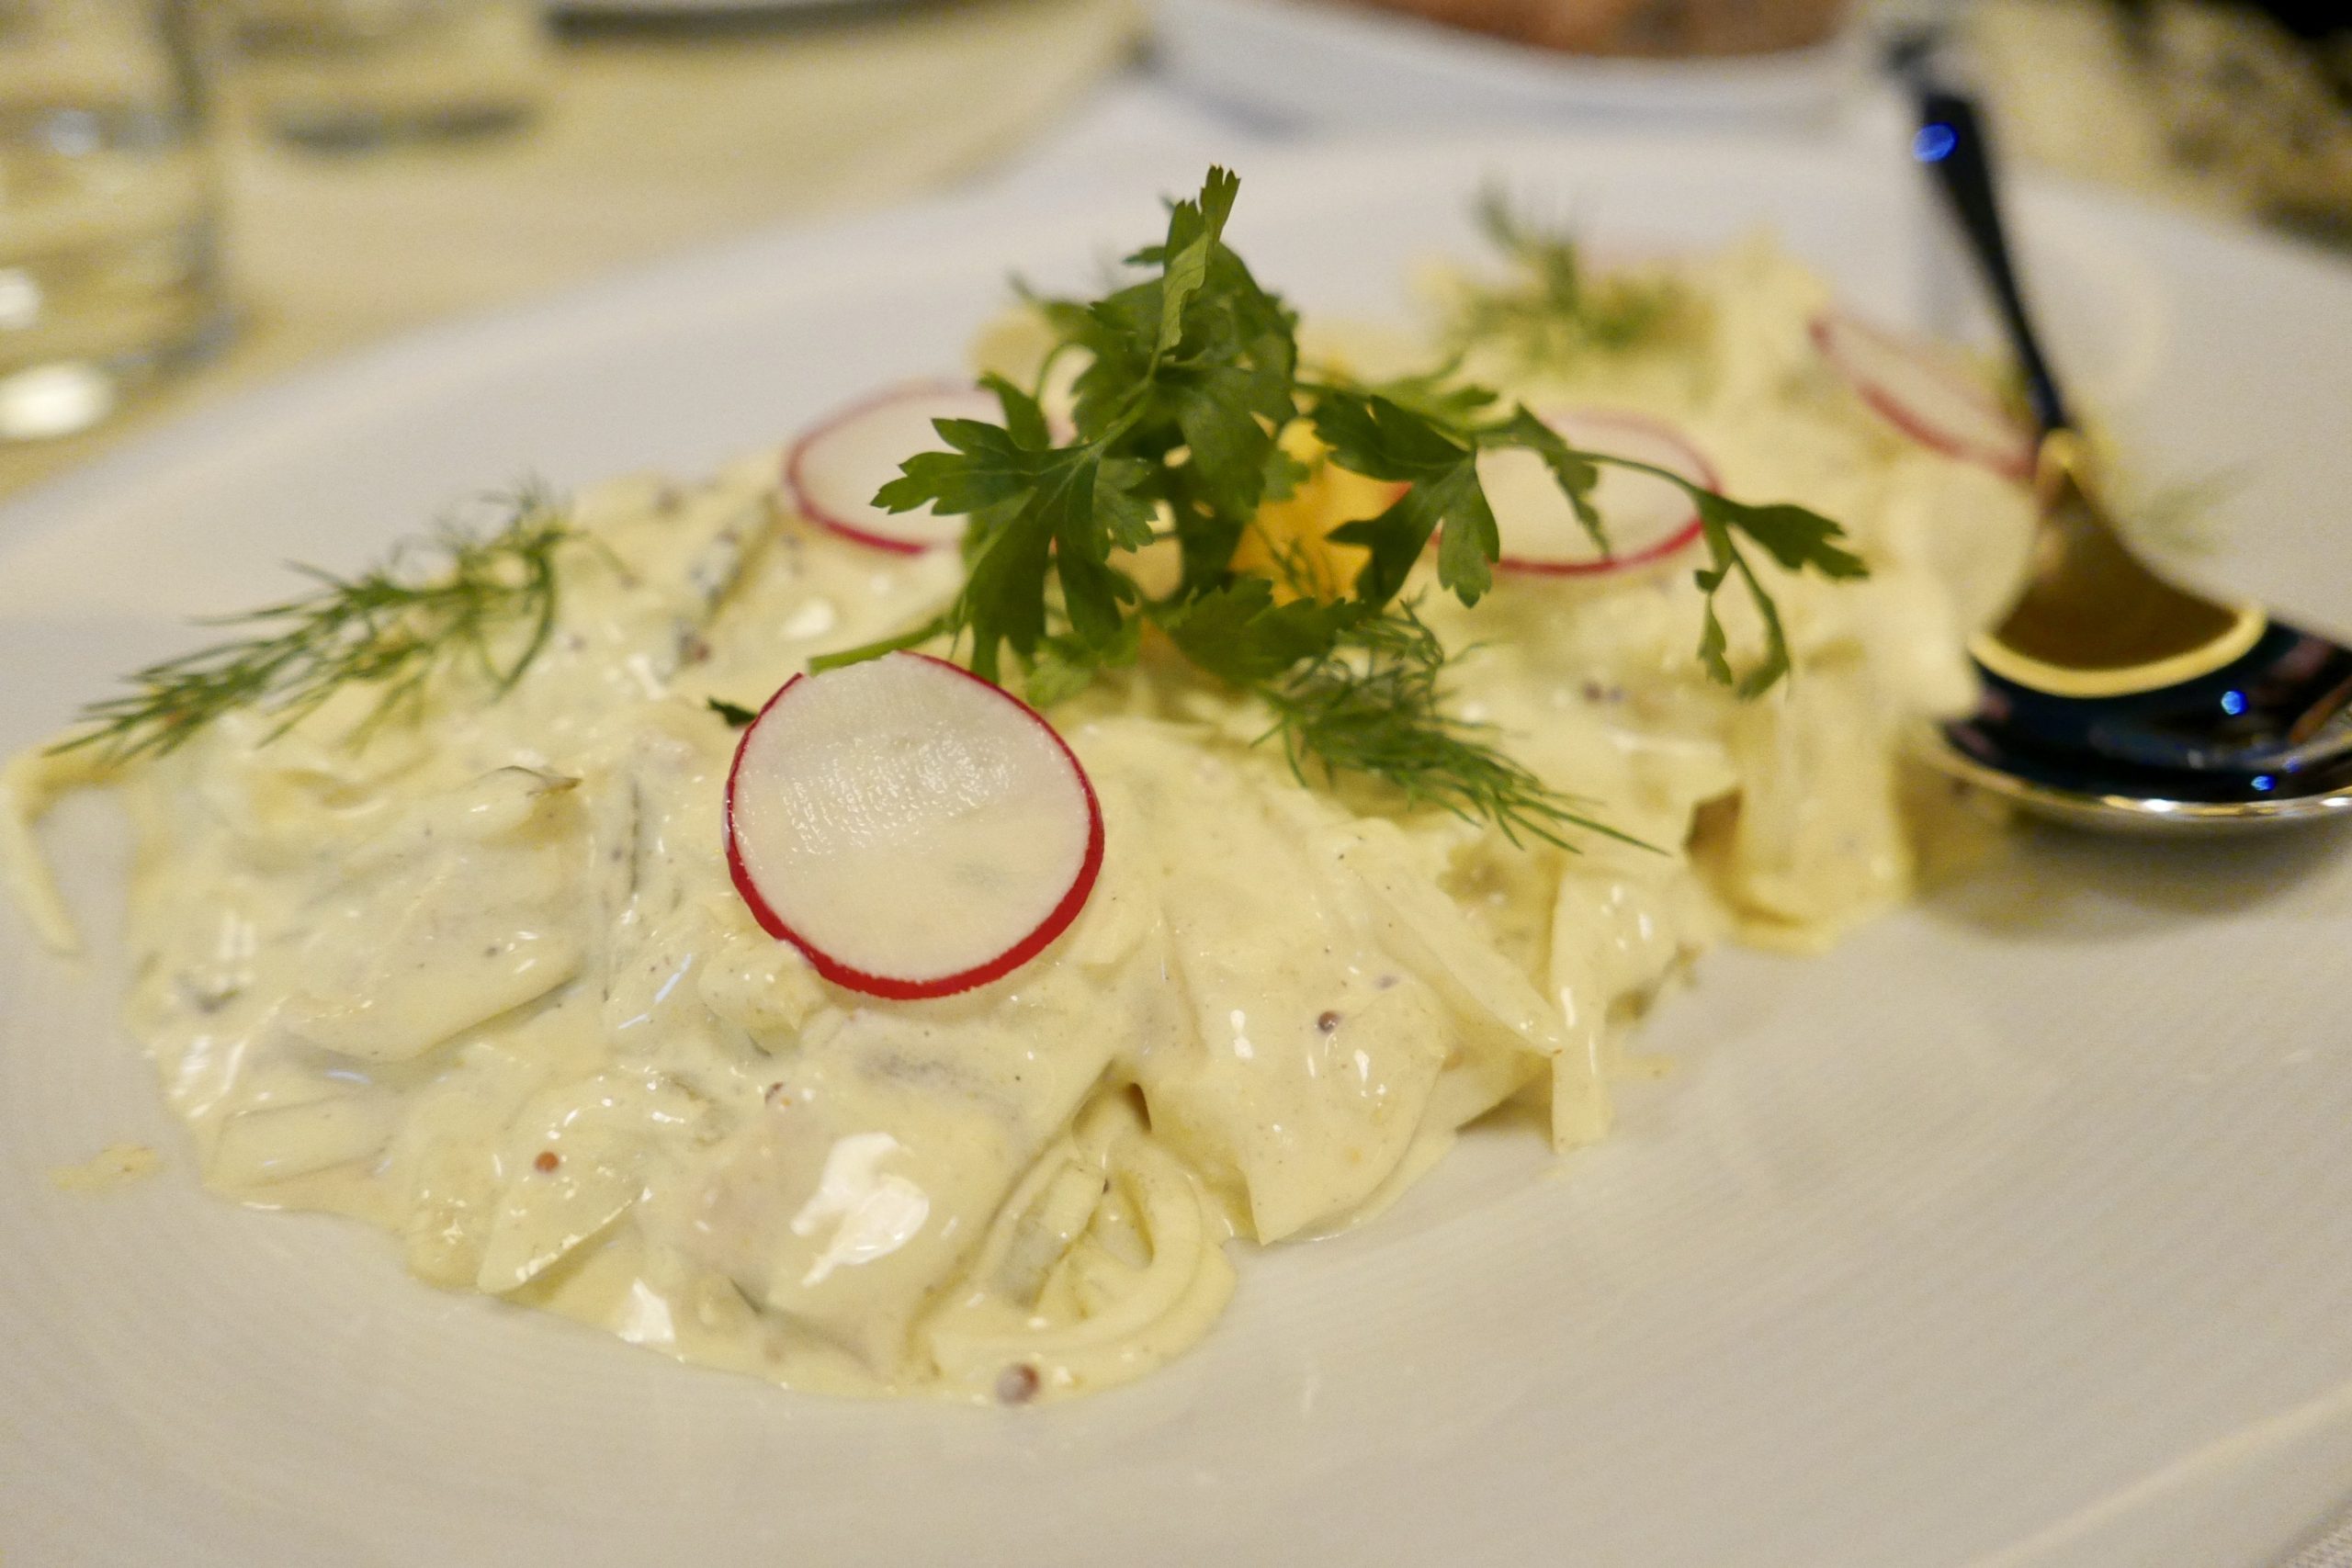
[[1334, 65], [2020, 1231]]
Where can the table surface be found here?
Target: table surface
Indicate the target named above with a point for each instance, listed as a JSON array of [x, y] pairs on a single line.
[[657, 138], [654, 139]]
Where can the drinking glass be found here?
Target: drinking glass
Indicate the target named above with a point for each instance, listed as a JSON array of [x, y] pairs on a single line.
[[353, 73], [109, 208]]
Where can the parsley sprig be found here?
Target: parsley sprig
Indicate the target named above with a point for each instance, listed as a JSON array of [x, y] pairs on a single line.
[[1191, 377]]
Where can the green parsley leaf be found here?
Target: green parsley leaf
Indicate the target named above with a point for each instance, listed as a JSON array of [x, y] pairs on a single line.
[[1241, 635], [1003, 601], [1382, 440], [1575, 473], [1195, 230], [1065, 666], [1439, 394], [986, 467], [1024, 420], [1796, 537], [1433, 445]]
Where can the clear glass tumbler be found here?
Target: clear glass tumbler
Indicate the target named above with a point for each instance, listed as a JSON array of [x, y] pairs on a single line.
[[109, 208], [355, 73]]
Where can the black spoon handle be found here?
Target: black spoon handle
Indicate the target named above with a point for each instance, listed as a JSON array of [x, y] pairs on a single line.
[[1951, 143]]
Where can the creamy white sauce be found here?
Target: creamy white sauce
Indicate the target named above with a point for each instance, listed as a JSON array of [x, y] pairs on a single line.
[[485, 982]]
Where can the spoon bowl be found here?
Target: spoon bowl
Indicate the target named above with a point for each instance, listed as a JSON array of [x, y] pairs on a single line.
[[2115, 698]]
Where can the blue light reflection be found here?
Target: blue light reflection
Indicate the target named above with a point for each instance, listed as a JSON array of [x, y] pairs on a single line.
[[2233, 703], [1934, 142]]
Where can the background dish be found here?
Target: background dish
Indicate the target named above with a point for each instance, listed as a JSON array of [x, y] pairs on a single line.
[[625, 9], [2016, 1232], [1318, 63]]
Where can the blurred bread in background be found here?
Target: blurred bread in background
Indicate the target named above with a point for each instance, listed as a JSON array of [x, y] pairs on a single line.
[[1647, 28], [2262, 103]]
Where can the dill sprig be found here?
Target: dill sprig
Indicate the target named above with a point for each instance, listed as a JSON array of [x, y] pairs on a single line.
[[1552, 310], [1375, 705], [393, 627]]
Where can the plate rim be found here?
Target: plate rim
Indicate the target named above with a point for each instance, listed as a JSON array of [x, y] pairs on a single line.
[[511, 328]]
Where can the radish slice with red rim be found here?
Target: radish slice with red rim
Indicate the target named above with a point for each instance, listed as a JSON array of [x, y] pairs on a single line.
[[913, 830], [1925, 395], [1646, 518], [833, 472]]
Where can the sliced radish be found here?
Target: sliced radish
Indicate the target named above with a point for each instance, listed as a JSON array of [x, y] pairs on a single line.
[[913, 830], [1646, 518], [1925, 395], [834, 470]]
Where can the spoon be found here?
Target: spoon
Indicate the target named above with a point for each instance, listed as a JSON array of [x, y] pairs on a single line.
[[2115, 698]]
